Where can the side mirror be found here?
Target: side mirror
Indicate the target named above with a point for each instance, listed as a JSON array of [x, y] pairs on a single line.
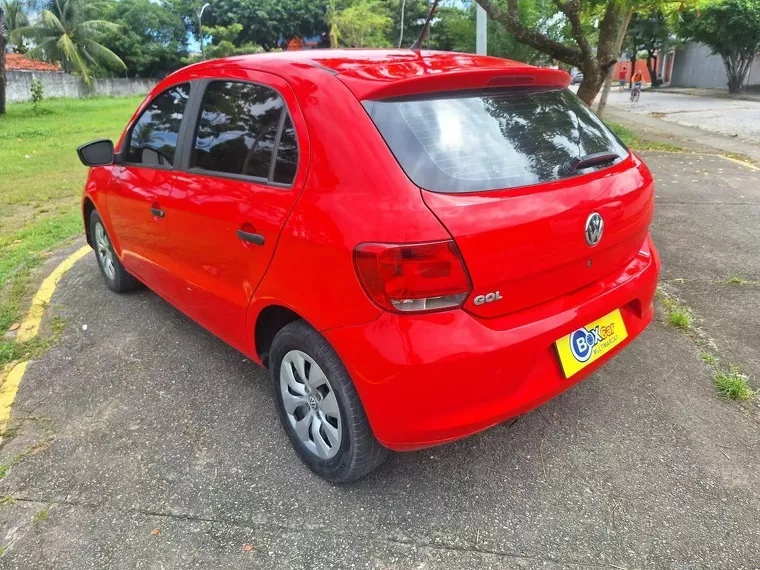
[[96, 153]]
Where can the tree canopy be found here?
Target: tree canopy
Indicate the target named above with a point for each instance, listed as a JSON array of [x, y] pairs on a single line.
[[650, 33], [63, 34], [364, 24], [459, 32], [266, 22], [589, 45], [151, 40], [15, 16]]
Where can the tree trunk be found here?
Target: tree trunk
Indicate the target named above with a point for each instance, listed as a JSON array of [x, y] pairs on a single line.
[[595, 62], [3, 80], [737, 70], [528, 36], [651, 68], [591, 84], [617, 49]]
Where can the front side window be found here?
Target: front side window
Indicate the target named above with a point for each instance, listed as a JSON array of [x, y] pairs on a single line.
[[153, 139], [237, 129]]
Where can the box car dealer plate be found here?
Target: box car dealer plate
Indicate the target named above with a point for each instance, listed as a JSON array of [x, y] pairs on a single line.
[[587, 344]]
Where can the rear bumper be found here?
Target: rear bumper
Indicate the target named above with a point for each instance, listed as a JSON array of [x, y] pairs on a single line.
[[429, 379]]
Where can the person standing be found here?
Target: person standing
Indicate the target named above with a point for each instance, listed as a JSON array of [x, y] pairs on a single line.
[[622, 75]]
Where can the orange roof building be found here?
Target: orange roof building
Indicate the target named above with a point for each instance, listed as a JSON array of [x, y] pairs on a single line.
[[18, 62]]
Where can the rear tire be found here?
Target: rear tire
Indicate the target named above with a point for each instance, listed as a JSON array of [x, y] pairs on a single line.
[[324, 417], [116, 277]]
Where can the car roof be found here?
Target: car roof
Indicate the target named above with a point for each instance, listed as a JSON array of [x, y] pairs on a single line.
[[341, 61], [394, 72]]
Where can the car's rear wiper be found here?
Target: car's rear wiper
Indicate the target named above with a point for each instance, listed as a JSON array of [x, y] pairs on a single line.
[[581, 162]]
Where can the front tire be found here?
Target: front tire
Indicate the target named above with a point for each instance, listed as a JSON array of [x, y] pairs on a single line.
[[116, 277], [319, 407]]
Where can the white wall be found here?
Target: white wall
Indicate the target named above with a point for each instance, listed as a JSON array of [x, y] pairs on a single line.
[[696, 66], [58, 84]]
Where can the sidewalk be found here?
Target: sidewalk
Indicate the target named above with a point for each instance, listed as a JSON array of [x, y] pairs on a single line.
[[693, 119], [689, 138], [752, 94]]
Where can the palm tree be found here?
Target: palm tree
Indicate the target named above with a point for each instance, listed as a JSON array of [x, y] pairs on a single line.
[[15, 18], [332, 13], [61, 36]]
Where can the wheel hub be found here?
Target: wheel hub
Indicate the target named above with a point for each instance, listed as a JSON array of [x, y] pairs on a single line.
[[311, 406], [105, 251]]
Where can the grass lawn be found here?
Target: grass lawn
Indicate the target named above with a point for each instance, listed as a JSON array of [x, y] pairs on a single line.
[[632, 141], [41, 181]]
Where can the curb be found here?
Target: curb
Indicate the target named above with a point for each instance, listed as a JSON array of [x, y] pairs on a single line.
[[30, 327]]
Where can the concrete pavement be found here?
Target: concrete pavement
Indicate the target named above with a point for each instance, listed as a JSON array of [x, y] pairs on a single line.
[[709, 224], [144, 442], [751, 93], [693, 121], [696, 120], [729, 117]]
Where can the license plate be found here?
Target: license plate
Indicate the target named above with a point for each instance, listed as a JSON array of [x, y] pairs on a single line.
[[587, 344]]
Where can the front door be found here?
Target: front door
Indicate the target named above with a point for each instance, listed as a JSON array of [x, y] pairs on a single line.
[[230, 201], [142, 183]]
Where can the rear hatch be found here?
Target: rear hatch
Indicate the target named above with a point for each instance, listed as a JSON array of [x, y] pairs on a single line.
[[515, 175]]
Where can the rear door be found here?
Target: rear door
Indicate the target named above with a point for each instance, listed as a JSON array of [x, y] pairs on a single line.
[[142, 183], [502, 171], [232, 197]]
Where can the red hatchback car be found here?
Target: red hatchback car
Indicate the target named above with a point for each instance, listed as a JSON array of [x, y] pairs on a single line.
[[418, 245]]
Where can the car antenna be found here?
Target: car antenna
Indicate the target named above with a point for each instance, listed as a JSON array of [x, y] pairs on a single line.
[[423, 33]]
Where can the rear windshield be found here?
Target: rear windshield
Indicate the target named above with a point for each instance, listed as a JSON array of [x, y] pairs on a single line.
[[489, 140]]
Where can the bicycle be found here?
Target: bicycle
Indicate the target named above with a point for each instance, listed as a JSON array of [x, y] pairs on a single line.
[[636, 92]]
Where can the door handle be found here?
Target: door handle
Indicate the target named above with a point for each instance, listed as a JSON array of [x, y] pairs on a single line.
[[256, 239], [157, 212]]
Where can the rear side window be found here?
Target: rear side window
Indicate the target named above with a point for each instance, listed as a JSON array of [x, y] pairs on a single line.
[[238, 128], [490, 140], [287, 155], [153, 140]]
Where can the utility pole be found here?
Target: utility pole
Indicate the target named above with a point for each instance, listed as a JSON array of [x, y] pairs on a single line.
[[481, 29], [200, 28], [401, 35]]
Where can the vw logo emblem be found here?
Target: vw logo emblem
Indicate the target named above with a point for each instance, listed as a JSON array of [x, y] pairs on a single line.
[[594, 229]]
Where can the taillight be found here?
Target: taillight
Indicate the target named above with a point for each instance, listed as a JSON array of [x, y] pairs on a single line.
[[413, 277]]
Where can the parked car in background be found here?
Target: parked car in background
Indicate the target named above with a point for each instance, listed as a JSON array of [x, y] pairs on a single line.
[[417, 245], [578, 78]]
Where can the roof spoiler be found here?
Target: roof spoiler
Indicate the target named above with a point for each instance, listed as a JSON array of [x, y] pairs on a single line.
[[374, 84]]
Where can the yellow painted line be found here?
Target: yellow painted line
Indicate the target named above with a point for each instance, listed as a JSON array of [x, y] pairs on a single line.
[[8, 393], [30, 326], [741, 162]]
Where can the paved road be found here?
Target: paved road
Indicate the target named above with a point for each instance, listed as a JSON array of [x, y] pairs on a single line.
[[725, 116], [150, 444]]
